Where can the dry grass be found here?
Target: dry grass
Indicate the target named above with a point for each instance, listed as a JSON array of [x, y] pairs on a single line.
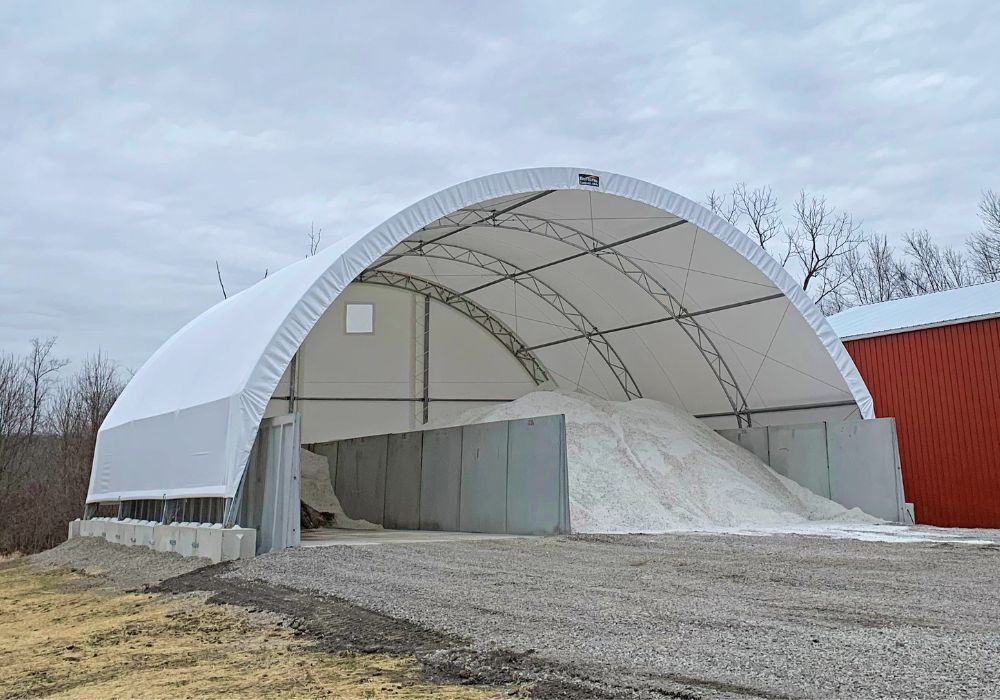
[[61, 635]]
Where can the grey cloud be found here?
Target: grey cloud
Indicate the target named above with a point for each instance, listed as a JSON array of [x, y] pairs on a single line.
[[142, 141]]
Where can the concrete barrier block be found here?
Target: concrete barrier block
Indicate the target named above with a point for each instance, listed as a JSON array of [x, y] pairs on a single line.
[[239, 543], [115, 533], [187, 542], [208, 543], [165, 538], [74, 528], [143, 534], [126, 530], [90, 528]]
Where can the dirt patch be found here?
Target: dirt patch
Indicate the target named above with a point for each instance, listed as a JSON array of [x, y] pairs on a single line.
[[338, 627], [64, 634]]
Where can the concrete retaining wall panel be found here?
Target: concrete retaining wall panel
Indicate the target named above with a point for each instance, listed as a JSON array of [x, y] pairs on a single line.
[[402, 481], [753, 439], [483, 499], [864, 467], [440, 479], [799, 452], [534, 482], [360, 484]]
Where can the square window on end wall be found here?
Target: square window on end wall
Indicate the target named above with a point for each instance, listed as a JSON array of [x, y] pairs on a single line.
[[359, 318]]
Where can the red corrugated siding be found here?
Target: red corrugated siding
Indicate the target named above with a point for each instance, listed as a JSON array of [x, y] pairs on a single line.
[[942, 385]]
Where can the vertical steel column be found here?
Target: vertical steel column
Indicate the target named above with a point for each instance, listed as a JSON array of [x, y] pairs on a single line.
[[427, 358]]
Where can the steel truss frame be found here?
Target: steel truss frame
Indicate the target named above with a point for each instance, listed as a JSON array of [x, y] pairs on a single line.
[[607, 253], [585, 328], [487, 321]]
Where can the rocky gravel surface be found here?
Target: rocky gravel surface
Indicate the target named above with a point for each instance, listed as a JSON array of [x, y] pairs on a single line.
[[129, 568], [689, 615]]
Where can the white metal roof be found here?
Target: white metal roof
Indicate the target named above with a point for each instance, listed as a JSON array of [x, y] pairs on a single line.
[[593, 281], [924, 311]]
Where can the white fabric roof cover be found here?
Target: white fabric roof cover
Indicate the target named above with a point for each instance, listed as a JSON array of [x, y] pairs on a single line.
[[924, 311], [700, 317]]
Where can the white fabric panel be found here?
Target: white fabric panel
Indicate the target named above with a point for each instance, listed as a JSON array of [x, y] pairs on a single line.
[[940, 308], [213, 379], [473, 366], [335, 363], [323, 421]]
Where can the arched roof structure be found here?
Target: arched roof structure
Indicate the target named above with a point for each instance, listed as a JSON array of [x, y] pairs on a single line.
[[626, 290]]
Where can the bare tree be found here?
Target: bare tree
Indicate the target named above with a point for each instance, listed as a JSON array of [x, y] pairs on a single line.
[[40, 368], [820, 240], [931, 267], [98, 384], [46, 483], [14, 415], [984, 244], [723, 206], [757, 206], [872, 272], [315, 236], [760, 208]]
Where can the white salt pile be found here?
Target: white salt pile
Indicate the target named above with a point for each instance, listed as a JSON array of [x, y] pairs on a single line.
[[645, 466], [316, 491]]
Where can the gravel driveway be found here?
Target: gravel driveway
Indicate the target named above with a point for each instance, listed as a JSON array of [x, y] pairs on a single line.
[[692, 615]]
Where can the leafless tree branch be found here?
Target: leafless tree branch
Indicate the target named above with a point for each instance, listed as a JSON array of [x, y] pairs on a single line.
[[984, 245], [218, 271], [315, 236]]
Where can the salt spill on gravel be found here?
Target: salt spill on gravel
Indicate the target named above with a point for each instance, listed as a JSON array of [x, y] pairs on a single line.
[[645, 466]]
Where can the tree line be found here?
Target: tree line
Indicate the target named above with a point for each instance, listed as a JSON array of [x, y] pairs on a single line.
[[841, 265], [48, 428]]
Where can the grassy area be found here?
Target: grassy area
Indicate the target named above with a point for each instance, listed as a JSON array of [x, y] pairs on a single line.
[[63, 635]]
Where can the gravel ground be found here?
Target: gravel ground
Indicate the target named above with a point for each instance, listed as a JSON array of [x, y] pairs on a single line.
[[691, 615], [129, 568]]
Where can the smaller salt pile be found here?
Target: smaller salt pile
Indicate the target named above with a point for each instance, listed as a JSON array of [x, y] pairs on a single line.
[[316, 491], [646, 466]]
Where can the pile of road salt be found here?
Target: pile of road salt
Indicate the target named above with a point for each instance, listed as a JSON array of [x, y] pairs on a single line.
[[646, 466], [316, 491]]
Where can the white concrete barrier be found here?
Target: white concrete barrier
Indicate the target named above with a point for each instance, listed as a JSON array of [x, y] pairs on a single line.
[[206, 540]]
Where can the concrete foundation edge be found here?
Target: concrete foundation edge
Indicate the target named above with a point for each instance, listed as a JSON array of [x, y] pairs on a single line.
[[205, 540]]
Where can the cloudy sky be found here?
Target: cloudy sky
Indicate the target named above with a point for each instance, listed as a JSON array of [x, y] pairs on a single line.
[[140, 142]]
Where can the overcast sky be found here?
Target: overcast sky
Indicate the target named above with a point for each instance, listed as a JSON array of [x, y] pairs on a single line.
[[139, 142]]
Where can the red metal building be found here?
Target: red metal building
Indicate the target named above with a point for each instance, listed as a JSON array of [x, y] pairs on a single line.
[[933, 363]]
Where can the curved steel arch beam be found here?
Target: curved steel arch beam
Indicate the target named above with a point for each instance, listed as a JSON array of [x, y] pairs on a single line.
[[487, 321], [584, 326], [606, 252]]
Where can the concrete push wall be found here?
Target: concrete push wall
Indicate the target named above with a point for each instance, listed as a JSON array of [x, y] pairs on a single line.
[[855, 463], [499, 477]]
